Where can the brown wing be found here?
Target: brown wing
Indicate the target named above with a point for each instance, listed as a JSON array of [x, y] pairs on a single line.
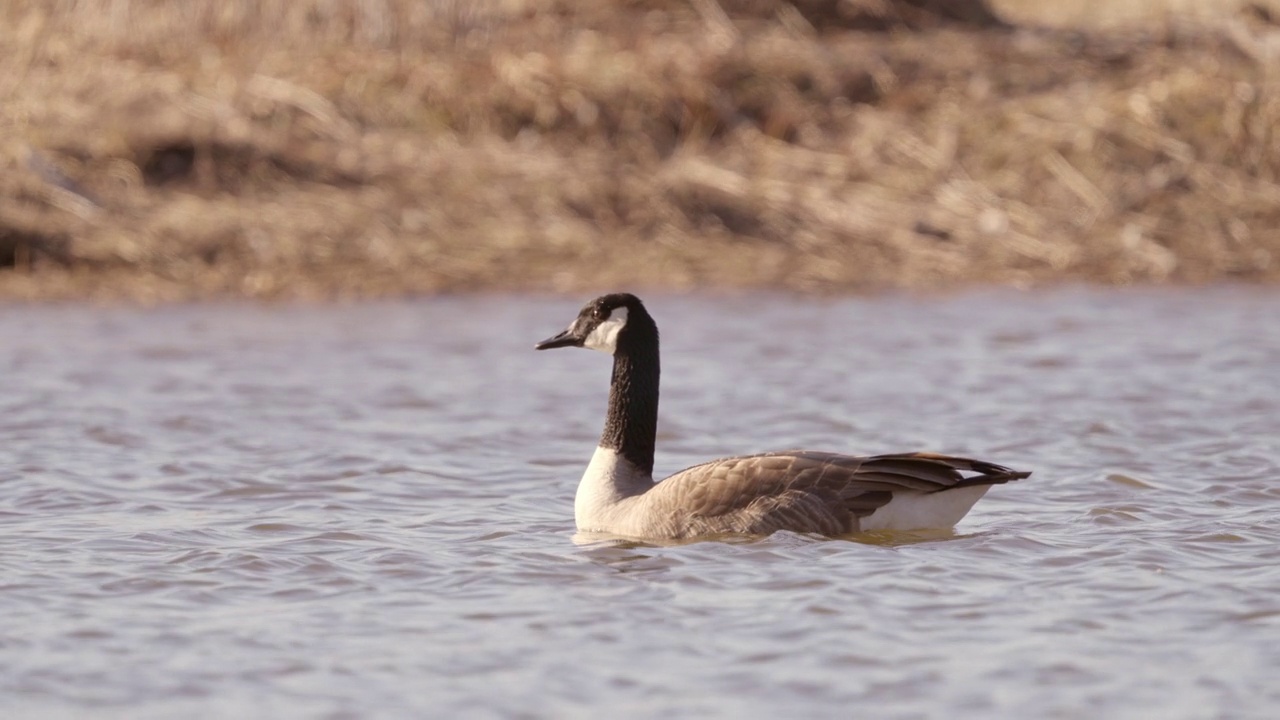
[[806, 491]]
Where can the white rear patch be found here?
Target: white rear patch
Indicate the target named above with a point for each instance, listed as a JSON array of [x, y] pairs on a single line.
[[922, 511], [605, 335]]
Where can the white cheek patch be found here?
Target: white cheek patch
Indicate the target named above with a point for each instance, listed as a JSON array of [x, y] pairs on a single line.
[[605, 335]]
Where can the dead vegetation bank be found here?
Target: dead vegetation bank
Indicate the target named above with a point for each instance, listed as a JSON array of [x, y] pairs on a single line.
[[309, 149]]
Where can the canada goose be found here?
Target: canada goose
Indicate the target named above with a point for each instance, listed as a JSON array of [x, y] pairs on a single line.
[[798, 490]]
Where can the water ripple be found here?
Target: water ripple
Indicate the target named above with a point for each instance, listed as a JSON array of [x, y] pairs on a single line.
[[367, 511]]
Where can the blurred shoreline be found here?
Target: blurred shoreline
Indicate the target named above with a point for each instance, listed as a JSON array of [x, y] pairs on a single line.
[[160, 152]]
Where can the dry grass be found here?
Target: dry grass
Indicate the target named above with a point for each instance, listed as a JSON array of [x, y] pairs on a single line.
[[308, 148]]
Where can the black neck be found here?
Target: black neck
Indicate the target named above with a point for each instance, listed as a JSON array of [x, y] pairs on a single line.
[[631, 426]]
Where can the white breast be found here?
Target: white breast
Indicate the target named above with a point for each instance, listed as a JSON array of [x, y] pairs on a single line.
[[610, 479]]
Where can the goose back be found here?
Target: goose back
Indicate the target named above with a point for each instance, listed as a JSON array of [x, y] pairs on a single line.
[[809, 491]]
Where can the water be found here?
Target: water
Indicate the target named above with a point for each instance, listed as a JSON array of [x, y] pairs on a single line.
[[366, 511]]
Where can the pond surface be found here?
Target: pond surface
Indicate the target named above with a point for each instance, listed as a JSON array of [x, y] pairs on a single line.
[[366, 511]]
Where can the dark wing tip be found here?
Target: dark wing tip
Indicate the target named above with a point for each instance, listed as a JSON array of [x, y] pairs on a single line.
[[983, 472]]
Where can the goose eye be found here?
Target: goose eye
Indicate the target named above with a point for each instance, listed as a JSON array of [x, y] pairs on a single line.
[[598, 314]]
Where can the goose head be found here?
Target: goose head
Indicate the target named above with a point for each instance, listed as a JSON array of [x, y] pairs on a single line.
[[602, 322]]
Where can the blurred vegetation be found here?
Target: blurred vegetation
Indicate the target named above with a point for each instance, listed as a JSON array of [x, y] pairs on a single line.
[[309, 148]]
